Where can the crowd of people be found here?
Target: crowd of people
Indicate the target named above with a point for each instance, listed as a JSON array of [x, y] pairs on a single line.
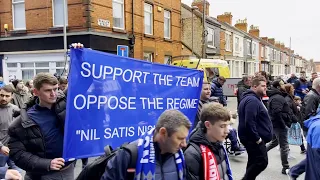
[[32, 125]]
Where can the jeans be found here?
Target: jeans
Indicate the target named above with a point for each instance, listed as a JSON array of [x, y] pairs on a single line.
[[233, 136], [257, 159], [281, 137], [4, 160]]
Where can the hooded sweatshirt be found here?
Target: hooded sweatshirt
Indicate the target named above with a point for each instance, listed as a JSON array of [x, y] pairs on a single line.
[[7, 114], [254, 121], [313, 150], [20, 98], [194, 160]]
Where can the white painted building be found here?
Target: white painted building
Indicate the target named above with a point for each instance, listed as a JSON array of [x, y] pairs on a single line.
[[253, 66], [237, 61], [25, 65]]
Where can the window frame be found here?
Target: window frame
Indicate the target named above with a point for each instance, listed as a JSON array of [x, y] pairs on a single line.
[[212, 35], [53, 12], [122, 2], [164, 23], [151, 17], [237, 44], [228, 41], [13, 12], [254, 49], [150, 54], [249, 47]]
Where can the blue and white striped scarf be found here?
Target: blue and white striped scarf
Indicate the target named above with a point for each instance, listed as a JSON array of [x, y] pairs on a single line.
[[146, 160]]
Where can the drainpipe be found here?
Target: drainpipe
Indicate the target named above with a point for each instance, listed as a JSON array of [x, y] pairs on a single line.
[[132, 37]]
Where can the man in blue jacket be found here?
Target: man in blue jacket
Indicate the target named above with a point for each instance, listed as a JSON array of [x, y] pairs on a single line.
[[217, 91], [255, 127], [313, 150]]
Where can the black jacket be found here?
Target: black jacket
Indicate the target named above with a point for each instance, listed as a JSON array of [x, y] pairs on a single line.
[[193, 156], [278, 109], [310, 104], [26, 143], [241, 89], [294, 112], [254, 121]]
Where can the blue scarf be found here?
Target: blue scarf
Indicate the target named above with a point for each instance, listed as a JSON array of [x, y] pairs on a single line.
[[229, 172], [146, 161]]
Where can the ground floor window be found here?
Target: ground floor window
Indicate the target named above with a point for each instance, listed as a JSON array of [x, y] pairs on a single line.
[[27, 70]]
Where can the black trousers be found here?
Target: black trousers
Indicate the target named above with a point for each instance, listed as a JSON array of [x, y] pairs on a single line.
[[257, 159]]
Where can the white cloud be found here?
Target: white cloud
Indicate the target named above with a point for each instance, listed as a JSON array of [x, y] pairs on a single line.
[[278, 19]]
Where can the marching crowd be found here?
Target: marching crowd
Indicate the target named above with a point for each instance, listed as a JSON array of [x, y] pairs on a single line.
[[32, 119]]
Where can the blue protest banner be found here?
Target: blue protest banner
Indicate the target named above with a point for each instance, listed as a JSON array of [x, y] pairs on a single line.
[[113, 99]]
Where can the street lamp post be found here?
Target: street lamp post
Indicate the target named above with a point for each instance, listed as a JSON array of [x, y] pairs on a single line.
[[65, 50]]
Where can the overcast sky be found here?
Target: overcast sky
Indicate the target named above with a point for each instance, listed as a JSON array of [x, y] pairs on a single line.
[[280, 19]]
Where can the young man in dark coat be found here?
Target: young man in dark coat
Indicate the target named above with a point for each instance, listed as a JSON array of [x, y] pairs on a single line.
[[205, 156], [281, 116], [36, 137]]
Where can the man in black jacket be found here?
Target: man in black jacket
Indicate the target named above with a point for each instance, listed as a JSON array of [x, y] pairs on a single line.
[[281, 115], [255, 127], [36, 138], [207, 139], [243, 86], [310, 103]]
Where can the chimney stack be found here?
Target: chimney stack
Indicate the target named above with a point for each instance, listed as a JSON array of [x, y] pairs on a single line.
[[242, 25], [271, 41], [282, 47], [254, 30], [199, 4], [226, 17], [277, 44], [265, 39]]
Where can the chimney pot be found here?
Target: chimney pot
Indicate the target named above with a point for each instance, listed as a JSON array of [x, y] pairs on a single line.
[[242, 25], [199, 4], [226, 17]]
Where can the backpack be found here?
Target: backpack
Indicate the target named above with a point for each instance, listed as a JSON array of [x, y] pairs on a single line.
[[96, 169]]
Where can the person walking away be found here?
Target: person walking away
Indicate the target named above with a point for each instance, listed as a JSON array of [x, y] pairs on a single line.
[[8, 113], [281, 116], [313, 150], [217, 91], [165, 159], [314, 75], [310, 105], [205, 155], [243, 86], [297, 101], [301, 86], [255, 127], [20, 96], [36, 137]]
